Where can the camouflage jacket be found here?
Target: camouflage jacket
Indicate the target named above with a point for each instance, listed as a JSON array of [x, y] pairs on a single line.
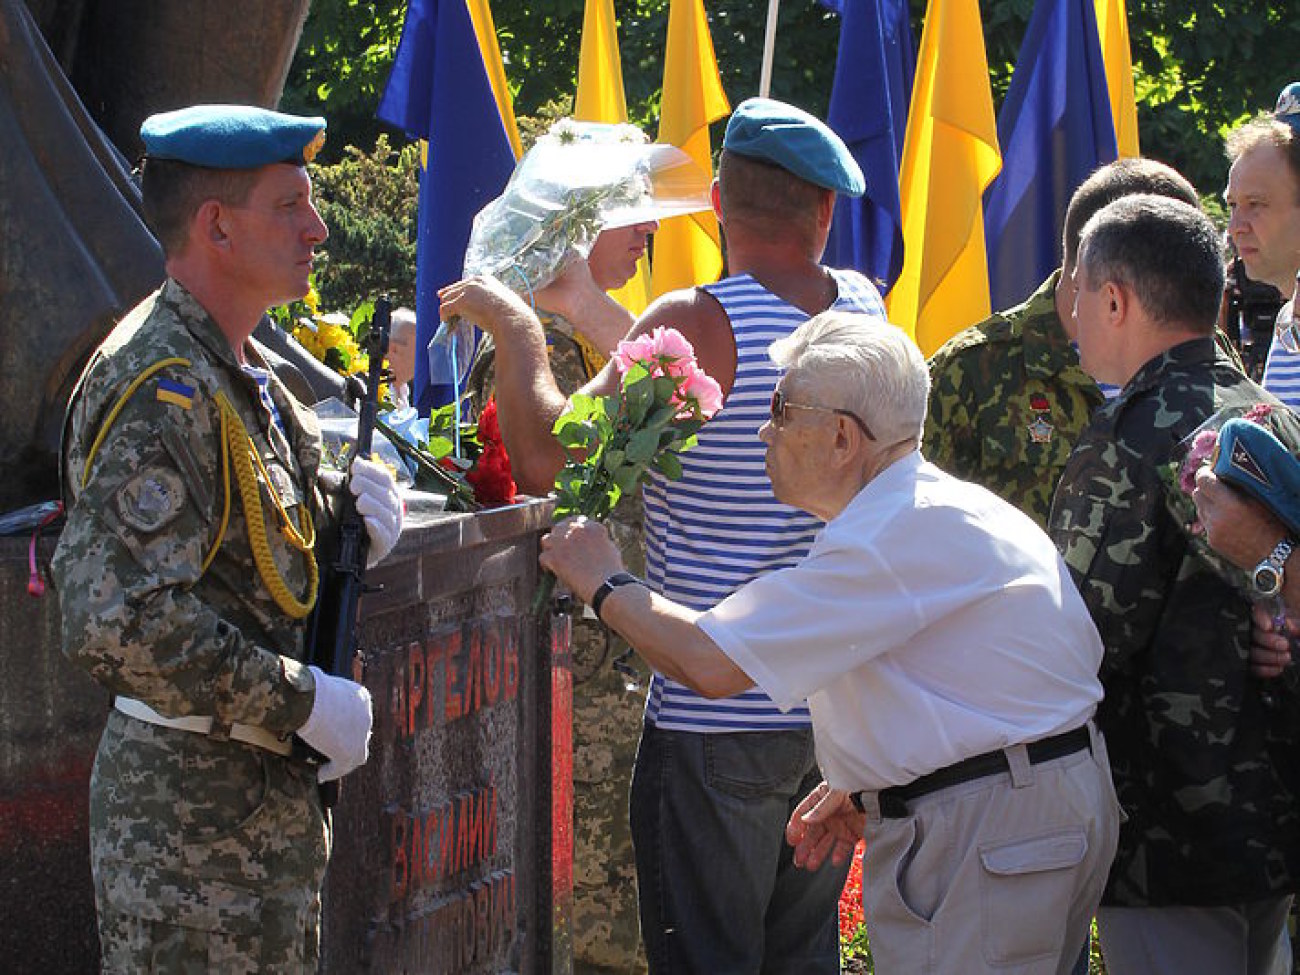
[[1008, 401], [1202, 765], [140, 610], [568, 364]]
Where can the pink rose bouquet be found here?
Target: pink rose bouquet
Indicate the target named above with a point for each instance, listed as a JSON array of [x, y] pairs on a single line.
[[614, 442]]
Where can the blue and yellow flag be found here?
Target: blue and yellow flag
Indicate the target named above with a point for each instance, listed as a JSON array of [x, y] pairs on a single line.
[[869, 98], [949, 158], [688, 249], [600, 99], [440, 90], [1112, 27], [1055, 129]]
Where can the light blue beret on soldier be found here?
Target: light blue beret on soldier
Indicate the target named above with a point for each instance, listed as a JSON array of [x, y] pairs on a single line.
[[1252, 459], [1288, 105], [232, 137], [763, 128]]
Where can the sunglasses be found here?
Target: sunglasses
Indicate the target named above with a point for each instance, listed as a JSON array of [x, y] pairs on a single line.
[[780, 404]]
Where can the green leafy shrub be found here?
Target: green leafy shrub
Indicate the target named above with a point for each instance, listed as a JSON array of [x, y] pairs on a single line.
[[368, 200]]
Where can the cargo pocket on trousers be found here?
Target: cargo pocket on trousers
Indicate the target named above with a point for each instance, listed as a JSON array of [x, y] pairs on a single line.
[[1026, 887], [177, 921]]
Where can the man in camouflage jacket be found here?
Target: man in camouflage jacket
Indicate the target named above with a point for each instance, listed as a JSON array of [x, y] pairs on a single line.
[[1007, 397], [187, 569], [1208, 855]]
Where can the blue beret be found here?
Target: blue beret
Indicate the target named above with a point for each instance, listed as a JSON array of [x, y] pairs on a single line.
[[1252, 459], [232, 136], [762, 128], [1288, 105]]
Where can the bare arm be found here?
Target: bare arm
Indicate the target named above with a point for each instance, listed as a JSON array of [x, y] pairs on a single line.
[[582, 555], [576, 296], [528, 400]]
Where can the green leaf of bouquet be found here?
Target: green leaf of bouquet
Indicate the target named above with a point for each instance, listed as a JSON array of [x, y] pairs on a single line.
[[440, 447], [359, 323], [665, 386], [627, 477], [635, 374], [669, 466], [640, 398], [614, 459], [643, 445], [662, 416], [573, 433]]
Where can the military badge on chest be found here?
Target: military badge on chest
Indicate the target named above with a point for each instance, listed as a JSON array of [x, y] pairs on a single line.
[[1040, 430]]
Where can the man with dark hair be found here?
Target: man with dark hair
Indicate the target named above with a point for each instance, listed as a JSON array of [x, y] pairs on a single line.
[[1008, 399], [1263, 197], [1207, 857], [208, 838], [716, 781]]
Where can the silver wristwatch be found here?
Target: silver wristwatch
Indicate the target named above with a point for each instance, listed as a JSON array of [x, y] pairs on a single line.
[[1268, 576]]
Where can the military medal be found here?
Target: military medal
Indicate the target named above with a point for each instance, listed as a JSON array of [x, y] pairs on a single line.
[[1040, 431]]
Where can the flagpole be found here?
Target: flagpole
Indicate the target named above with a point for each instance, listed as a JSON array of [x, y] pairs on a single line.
[[769, 49]]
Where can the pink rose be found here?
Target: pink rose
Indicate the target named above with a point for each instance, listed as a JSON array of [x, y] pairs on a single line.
[[702, 389]]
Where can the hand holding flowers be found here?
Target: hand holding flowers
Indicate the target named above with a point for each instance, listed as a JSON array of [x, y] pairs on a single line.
[[614, 442]]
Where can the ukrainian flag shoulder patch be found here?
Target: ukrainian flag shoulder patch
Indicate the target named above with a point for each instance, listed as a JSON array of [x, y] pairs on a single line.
[[178, 394]]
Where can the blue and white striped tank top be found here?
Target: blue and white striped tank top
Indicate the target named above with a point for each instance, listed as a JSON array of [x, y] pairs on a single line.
[[720, 526], [1282, 375]]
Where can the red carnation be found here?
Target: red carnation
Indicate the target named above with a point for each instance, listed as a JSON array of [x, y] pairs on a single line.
[[490, 476]]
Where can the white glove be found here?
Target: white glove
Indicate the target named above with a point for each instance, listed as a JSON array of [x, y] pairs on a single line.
[[339, 725], [379, 504]]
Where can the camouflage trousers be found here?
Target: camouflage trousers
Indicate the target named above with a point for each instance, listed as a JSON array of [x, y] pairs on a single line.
[[607, 717], [207, 856]]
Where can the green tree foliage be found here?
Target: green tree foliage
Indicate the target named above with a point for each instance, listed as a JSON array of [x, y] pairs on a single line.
[[368, 200], [1201, 66]]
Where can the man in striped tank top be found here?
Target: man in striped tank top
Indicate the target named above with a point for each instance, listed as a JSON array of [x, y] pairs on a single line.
[[716, 781], [1263, 198]]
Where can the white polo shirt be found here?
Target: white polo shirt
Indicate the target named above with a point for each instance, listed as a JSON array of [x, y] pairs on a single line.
[[930, 622]]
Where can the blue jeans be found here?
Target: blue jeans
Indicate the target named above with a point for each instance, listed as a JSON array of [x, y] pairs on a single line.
[[719, 893]]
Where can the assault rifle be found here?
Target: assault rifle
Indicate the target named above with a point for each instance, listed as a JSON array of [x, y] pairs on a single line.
[[331, 632]]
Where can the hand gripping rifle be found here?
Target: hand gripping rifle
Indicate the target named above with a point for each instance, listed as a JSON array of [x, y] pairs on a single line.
[[331, 632]]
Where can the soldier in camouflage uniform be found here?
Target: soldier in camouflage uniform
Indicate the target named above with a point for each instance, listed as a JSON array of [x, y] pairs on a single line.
[[1208, 856], [186, 571], [1007, 397], [608, 677]]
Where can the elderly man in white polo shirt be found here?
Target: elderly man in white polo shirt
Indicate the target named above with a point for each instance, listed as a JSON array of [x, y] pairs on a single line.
[[947, 659]]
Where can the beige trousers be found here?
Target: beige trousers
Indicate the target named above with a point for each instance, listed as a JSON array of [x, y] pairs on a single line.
[[1001, 874]]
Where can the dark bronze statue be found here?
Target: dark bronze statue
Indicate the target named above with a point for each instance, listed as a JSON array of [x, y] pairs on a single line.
[[76, 79]]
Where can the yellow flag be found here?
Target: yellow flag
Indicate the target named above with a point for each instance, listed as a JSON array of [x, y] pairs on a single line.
[[600, 99], [486, 32], [1112, 27], [688, 249], [950, 155]]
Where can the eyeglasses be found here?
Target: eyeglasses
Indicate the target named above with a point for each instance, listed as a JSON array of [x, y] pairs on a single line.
[[1287, 330], [780, 404]]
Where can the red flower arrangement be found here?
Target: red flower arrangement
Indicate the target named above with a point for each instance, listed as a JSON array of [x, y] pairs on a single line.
[[490, 476]]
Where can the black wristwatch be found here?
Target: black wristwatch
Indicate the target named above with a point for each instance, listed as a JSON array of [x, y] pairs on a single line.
[[1269, 575], [608, 586]]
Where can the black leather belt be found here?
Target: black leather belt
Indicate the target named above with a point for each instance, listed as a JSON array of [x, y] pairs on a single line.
[[894, 800]]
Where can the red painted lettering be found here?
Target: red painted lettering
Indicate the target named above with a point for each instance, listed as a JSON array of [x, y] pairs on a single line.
[[414, 683]]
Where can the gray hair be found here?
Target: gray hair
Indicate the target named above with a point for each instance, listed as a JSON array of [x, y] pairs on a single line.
[[865, 365], [1167, 253]]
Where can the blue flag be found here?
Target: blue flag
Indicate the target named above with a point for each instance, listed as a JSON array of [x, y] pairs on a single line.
[[1055, 128], [439, 91], [869, 101]]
